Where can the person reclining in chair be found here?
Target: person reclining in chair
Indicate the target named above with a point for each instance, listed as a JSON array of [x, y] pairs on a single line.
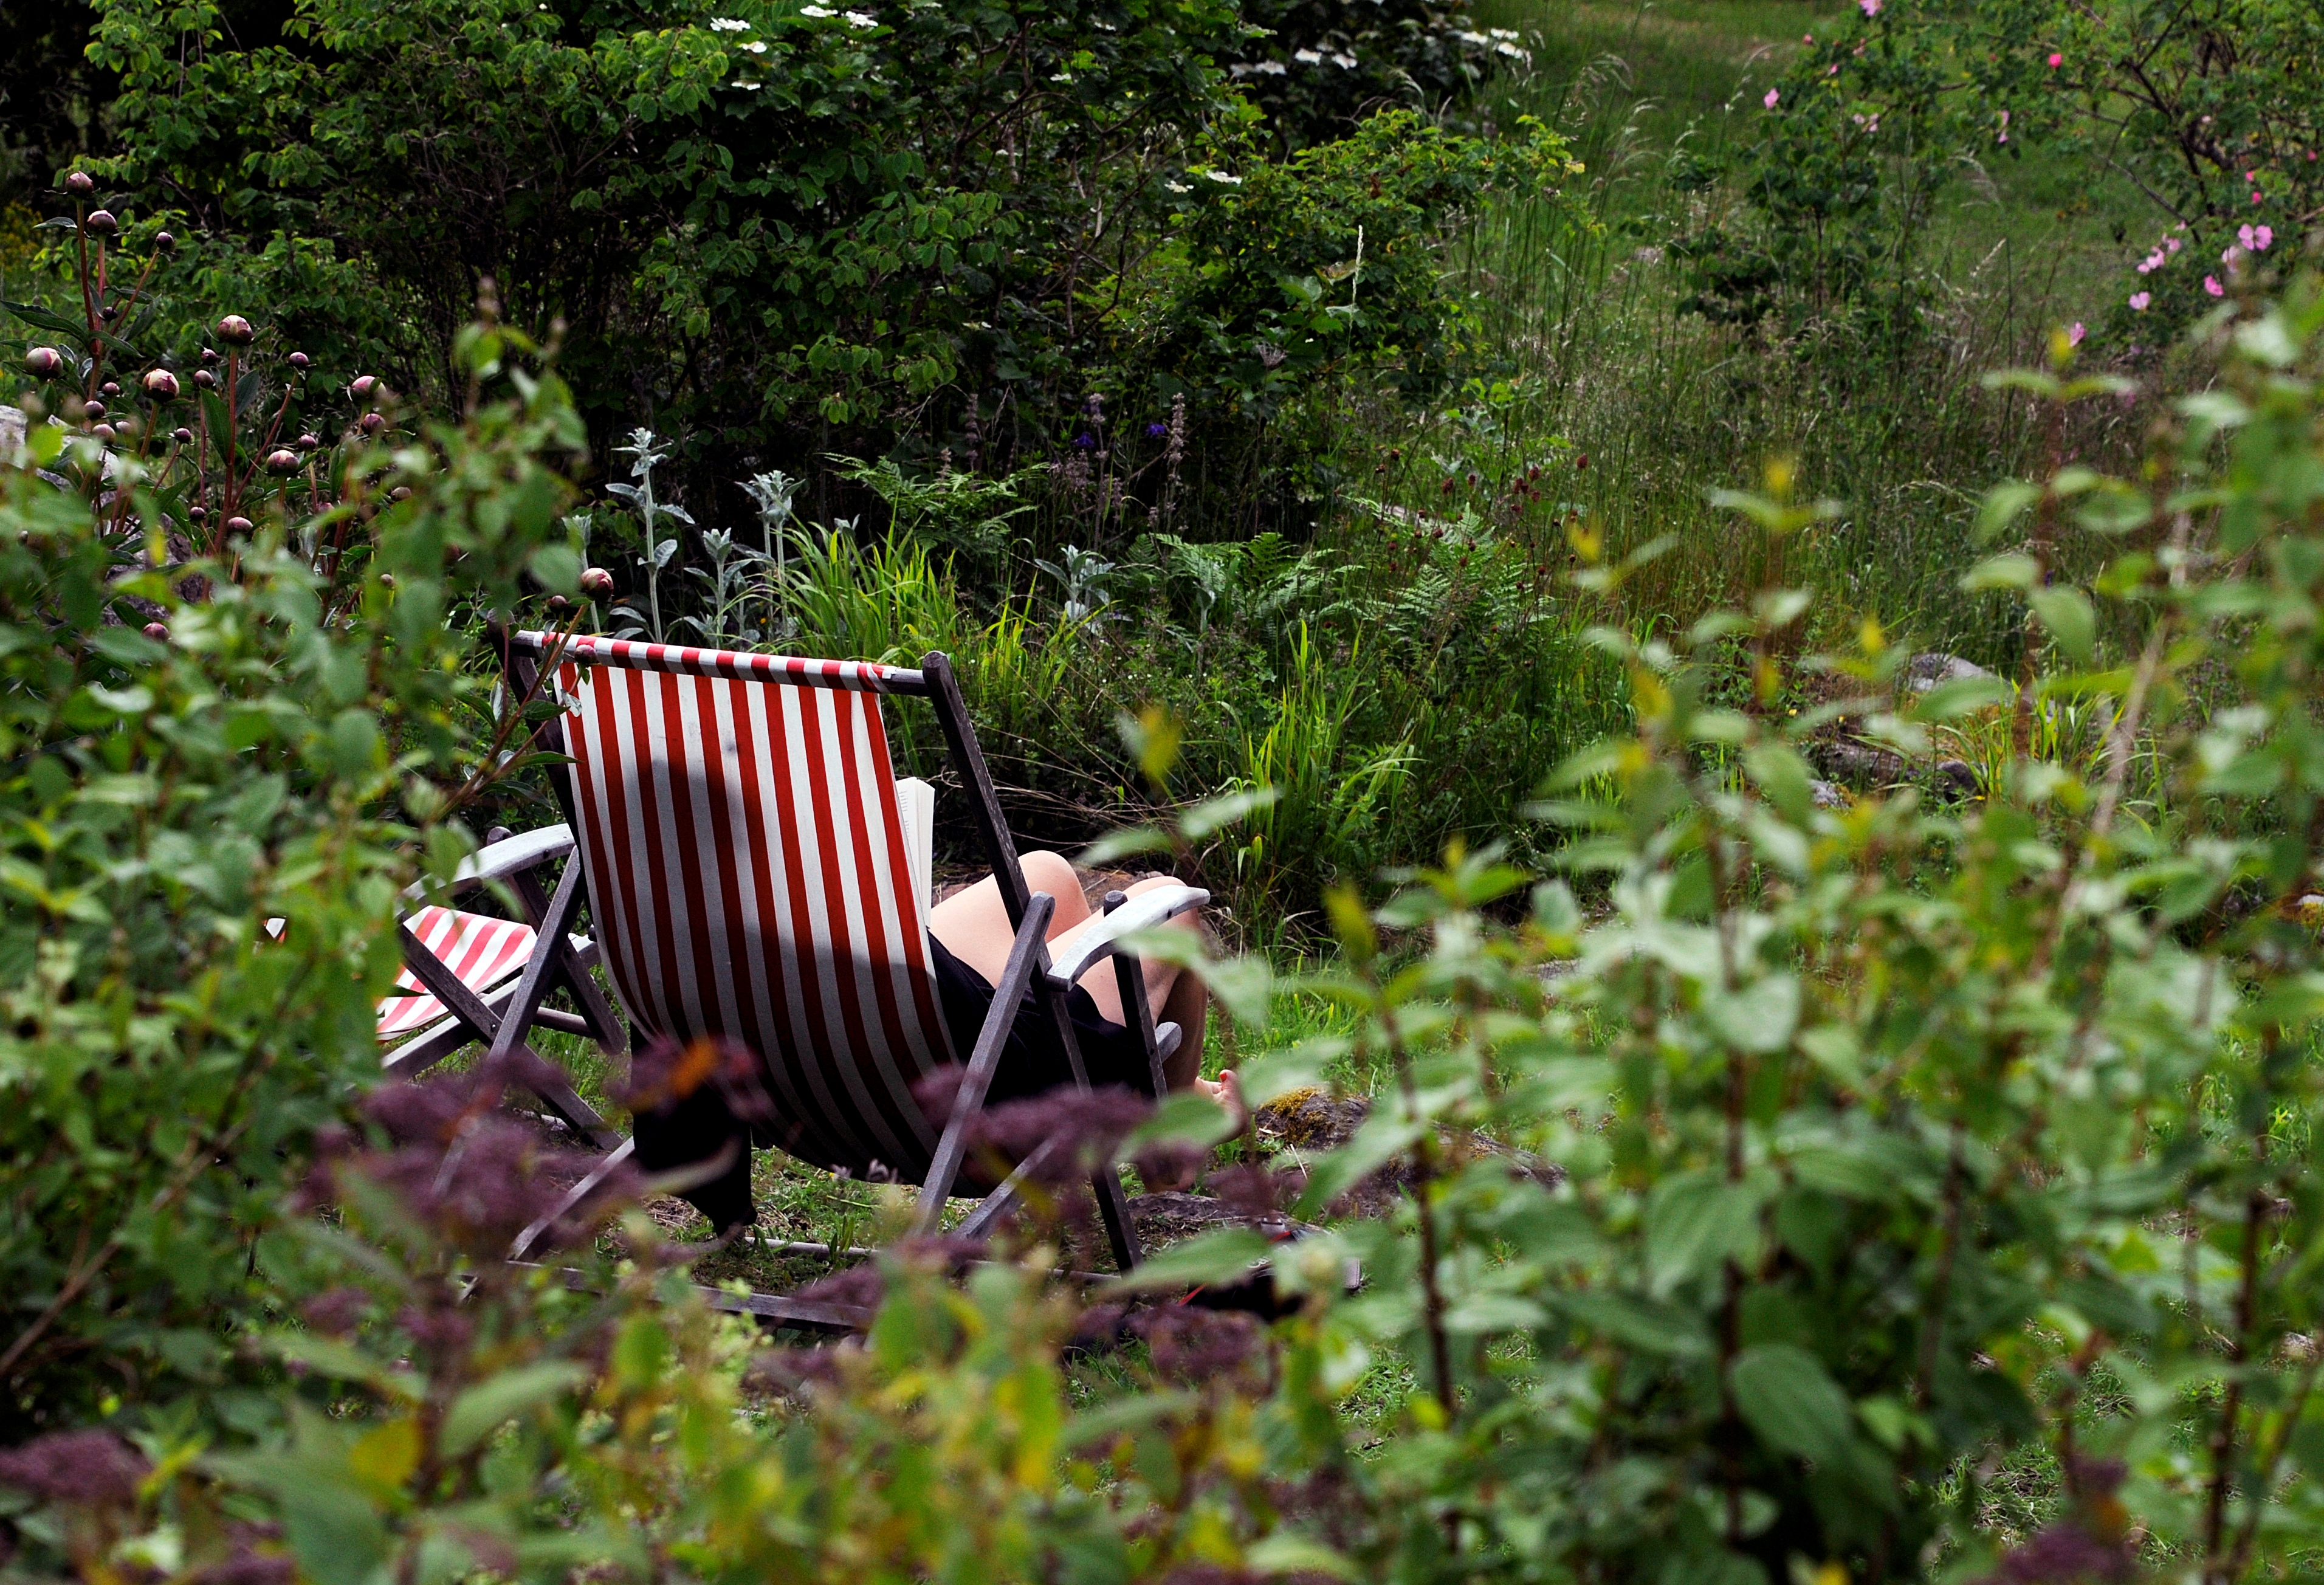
[[970, 937]]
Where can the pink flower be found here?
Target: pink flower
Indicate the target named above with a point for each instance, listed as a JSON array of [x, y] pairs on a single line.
[[2211, 284], [1869, 7], [2056, 61], [2075, 333], [1773, 95], [2138, 301], [2258, 238], [1807, 38], [2233, 252], [2173, 243], [2256, 198]]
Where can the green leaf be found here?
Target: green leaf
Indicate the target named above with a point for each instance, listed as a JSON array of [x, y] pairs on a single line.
[[1696, 1222], [1226, 1254], [484, 1408], [2065, 611], [1758, 1019], [1790, 1402]]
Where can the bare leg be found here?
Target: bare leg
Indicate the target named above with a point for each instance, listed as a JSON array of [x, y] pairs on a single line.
[[973, 926]]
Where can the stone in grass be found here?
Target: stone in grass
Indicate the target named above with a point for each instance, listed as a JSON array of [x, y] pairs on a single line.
[[1934, 668]]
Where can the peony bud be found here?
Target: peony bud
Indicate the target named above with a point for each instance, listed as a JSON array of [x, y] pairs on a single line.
[[108, 313], [182, 435], [103, 431], [596, 582], [101, 223], [310, 442], [372, 423], [560, 603], [44, 363], [79, 184], [283, 461], [209, 354], [200, 514], [235, 331], [237, 525], [401, 492], [164, 243], [387, 580], [157, 632], [299, 360], [111, 388], [204, 379], [160, 384], [362, 387], [93, 409]]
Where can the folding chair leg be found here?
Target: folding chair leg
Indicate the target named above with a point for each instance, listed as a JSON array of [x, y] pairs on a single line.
[[602, 1024], [463, 1004], [1112, 1205], [1025, 958], [1130, 978]]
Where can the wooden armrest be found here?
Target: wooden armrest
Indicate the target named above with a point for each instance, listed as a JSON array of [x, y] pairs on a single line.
[[505, 857], [1143, 912]]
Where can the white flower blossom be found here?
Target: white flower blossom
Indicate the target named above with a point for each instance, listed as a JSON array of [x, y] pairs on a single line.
[[861, 18], [1222, 176], [1513, 51], [1272, 67], [1467, 37], [1308, 56], [1504, 32], [1344, 60], [1177, 187], [817, 11], [721, 24], [756, 47]]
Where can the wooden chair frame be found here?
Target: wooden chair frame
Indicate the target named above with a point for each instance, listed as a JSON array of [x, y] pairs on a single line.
[[1029, 967]]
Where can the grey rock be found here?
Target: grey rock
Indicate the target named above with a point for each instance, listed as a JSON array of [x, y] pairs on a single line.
[[1932, 668], [1828, 795]]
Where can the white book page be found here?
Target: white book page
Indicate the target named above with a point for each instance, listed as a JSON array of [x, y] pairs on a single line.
[[916, 801]]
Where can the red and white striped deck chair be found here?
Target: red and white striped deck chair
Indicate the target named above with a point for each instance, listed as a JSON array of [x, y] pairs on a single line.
[[471, 977], [748, 878]]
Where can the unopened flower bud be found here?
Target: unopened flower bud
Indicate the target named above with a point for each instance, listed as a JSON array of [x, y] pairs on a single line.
[[558, 602], [111, 388], [387, 580], [299, 360], [44, 363], [93, 409], [362, 387], [235, 331], [79, 184], [283, 461], [596, 582], [108, 313], [200, 514], [237, 525], [101, 223], [160, 384], [182, 435], [164, 243], [204, 379], [310, 442], [401, 492], [103, 431], [157, 632], [209, 354], [372, 423]]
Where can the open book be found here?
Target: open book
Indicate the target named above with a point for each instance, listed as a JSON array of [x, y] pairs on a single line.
[[916, 801]]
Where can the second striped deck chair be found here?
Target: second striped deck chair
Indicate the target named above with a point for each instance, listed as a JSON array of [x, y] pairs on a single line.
[[470, 977], [750, 877]]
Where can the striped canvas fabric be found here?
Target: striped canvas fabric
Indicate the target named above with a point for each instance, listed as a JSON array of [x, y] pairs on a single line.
[[482, 951], [749, 874]]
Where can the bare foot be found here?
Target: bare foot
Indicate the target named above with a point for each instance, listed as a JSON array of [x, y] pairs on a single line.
[[1227, 1091]]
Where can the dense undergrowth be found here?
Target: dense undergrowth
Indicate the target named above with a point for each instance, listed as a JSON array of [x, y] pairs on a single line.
[[1760, 1180]]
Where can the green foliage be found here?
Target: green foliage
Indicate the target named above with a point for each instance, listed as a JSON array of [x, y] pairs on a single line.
[[2205, 109], [1848, 1161], [200, 744]]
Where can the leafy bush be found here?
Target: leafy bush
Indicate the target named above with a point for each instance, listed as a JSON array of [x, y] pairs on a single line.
[[2204, 109], [214, 731], [1743, 1232]]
